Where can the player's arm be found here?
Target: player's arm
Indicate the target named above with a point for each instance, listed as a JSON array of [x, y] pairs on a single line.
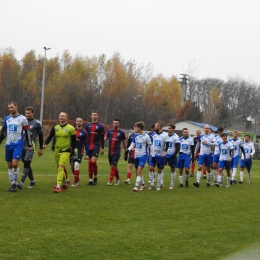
[[192, 148], [2, 134], [197, 147], [27, 134], [177, 149], [252, 150], [51, 135], [40, 135], [243, 151]]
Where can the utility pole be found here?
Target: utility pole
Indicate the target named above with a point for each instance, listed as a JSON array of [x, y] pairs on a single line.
[[184, 83]]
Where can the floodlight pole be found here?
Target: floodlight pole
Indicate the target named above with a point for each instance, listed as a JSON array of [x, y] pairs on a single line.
[[43, 82]]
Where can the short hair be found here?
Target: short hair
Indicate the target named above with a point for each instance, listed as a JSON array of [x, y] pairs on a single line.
[[153, 126], [235, 131], [185, 128], [116, 120], [220, 129], [140, 124], [12, 102], [224, 134], [172, 125], [94, 111], [29, 108], [248, 136], [159, 124]]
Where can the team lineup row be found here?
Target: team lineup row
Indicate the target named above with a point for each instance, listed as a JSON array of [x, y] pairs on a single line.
[[157, 148]]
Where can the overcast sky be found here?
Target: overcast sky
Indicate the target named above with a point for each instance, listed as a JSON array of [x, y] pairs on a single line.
[[219, 38]]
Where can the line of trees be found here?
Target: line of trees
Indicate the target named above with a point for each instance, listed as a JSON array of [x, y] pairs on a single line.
[[119, 89]]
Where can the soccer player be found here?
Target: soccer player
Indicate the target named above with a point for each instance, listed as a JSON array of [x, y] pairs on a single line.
[[195, 140], [150, 167], [225, 149], [185, 156], [158, 156], [96, 134], [205, 143], [237, 143], [65, 144], [246, 158], [116, 136], [130, 159], [173, 145], [27, 156], [82, 144], [15, 127], [141, 142], [219, 140]]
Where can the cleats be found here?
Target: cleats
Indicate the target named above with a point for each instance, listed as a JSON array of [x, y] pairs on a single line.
[[13, 188], [158, 188], [32, 183], [95, 181], [64, 187], [109, 183], [217, 185], [234, 182], [74, 184], [214, 183], [117, 182], [68, 182], [127, 181], [208, 185], [204, 177], [171, 187], [191, 175], [90, 183], [151, 187], [161, 186], [240, 182], [181, 185], [196, 184], [228, 185], [135, 189], [57, 190], [143, 187], [186, 184], [19, 185]]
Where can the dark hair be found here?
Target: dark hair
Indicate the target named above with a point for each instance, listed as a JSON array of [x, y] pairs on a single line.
[[29, 108], [140, 124], [220, 129], [94, 111], [12, 102], [172, 125], [116, 120], [247, 135], [224, 134], [185, 128], [153, 126]]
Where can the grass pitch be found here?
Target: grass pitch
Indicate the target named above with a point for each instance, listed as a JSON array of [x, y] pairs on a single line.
[[112, 222]]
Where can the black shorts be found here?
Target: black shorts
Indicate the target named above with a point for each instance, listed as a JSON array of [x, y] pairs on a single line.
[[131, 160], [113, 159], [93, 153]]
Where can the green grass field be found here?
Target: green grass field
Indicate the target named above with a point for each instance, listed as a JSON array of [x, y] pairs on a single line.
[[112, 222]]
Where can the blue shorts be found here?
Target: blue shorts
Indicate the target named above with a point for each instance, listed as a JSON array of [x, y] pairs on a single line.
[[224, 165], [234, 162], [140, 162], [160, 162], [183, 161], [205, 159], [216, 158], [13, 151], [172, 162], [247, 163]]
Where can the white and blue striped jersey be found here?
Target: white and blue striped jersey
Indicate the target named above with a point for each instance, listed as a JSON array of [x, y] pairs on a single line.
[[236, 145], [172, 140], [219, 140], [249, 149], [211, 141], [185, 144], [159, 140], [224, 151], [141, 144], [14, 129]]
